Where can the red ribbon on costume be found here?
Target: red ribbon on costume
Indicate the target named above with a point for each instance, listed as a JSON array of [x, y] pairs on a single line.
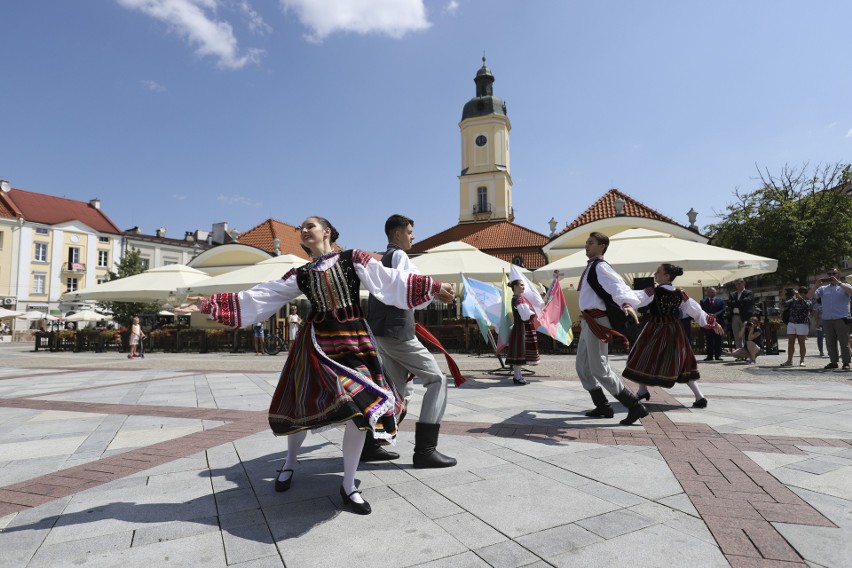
[[430, 340]]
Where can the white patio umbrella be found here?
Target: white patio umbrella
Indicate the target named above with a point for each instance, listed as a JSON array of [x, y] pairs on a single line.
[[4, 313], [154, 285], [447, 262], [636, 253], [87, 316], [35, 315], [244, 278]]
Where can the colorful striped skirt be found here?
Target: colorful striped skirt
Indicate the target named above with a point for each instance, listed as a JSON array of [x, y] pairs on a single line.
[[662, 355], [523, 345], [333, 375]]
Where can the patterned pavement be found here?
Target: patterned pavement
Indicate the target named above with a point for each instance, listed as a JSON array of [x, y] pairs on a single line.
[[759, 478]]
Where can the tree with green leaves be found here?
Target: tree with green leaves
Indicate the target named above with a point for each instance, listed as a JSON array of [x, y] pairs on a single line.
[[802, 217], [123, 312]]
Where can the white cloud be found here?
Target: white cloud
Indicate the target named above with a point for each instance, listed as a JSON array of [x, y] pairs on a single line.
[[452, 7], [179, 197], [849, 134], [393, 18], [238, 200], [255, 21], [194, 21], [153, 86]]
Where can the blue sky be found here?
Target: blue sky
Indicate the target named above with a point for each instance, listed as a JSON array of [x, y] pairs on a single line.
[[182, 113]]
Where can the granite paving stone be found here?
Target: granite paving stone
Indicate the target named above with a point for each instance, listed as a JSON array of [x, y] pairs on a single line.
[[169, 461]]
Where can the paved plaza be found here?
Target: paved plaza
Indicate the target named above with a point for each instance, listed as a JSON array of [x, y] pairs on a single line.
[[169, 461]]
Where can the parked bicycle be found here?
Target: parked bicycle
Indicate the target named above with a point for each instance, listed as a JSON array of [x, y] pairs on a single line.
[[273, 344]]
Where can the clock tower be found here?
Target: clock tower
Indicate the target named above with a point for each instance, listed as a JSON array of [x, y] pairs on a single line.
[[485, 184]]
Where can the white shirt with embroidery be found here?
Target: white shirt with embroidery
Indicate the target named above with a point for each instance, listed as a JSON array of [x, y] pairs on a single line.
[[388, 285]]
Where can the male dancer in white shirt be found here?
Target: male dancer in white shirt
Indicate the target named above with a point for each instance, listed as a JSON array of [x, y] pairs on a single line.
[[402, 353], [603, 291]]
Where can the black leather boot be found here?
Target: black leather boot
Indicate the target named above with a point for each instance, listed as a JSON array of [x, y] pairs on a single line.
[[602, 408], [426, 454], [635, 409], [373, 450]]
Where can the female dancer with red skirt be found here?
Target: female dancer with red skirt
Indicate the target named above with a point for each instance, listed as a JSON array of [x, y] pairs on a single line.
[[662, 355], [523, 343]]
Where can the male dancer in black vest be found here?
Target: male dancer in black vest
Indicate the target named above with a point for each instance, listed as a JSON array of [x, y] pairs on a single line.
[[402, 353], [603, 292]]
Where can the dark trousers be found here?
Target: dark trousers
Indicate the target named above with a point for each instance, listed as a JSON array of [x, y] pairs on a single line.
[[714, 343]]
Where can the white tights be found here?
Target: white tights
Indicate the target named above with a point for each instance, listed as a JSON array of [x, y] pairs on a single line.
[[693, 386], [353, 443]]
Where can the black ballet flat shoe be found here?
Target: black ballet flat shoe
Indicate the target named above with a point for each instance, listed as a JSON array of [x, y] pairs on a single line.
[[282, 486], [521, 381], [358, 508], [700, 403], [645, 396], [707, 359]]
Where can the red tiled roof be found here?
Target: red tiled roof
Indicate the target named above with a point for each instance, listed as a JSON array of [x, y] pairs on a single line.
[[502, 239], [52, 210], [7, 208], [263, 237], [604, 208]]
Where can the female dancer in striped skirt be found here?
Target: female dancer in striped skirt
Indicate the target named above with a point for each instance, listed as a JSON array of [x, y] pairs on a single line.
[[662, 355], [523, 343], [332, 374]]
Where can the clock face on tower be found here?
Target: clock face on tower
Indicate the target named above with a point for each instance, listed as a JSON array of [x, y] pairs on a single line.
[[481, 140]]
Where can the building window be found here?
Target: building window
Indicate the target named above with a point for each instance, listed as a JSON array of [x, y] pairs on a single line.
[[103, 240], [103, 258], [168, 261], [41, 231], [102, 279], [73, 256], [2, 233], [145, 262], [482, 200], [518, 261], [40, 252], [39, 280], [71, 284]]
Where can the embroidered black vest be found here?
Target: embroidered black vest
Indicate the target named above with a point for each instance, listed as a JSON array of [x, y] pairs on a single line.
[[666, 303], [333, 293], [617, 319]]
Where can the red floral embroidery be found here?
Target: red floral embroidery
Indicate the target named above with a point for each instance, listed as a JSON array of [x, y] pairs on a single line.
[[361, 257]]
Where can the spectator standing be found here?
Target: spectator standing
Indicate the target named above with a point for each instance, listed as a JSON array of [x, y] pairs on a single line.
[[799, 325], [817, 306], [742, 305], [714, 306], [257, 331], [834, 297], [294, 322]]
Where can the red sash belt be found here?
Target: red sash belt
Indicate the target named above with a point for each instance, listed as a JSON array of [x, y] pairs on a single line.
[[602, 332], [430, 340]]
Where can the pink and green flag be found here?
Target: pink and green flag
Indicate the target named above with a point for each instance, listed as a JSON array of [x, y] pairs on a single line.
[[554, 319]]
